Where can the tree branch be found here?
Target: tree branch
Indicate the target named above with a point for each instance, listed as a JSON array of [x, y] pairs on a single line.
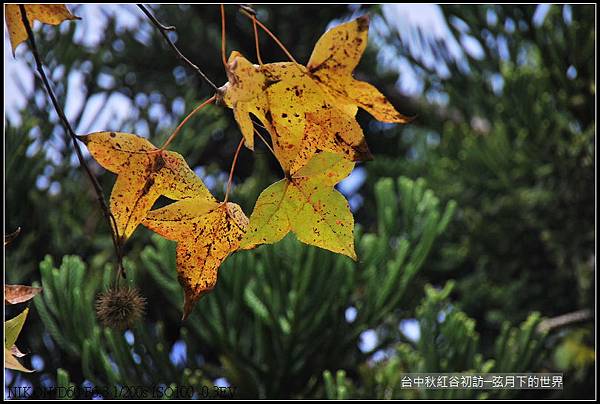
[[71, 133], [163, 30], [564, 320]]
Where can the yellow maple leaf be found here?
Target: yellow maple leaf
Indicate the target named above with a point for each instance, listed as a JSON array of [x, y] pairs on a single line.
[[297, 113], [144, 173], [332, 62], [206, 233], [244, 93], [309, 109], [52, 14], [306, 121], [306, 204]]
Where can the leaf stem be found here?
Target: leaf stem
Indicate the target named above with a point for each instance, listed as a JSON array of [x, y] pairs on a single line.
[[163, 30], [112, 224], [223, 38], [264, 28], [260, 62], [176, 131], [235, 157]]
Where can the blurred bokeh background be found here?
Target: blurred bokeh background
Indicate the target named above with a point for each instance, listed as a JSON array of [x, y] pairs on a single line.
[[475, 223]]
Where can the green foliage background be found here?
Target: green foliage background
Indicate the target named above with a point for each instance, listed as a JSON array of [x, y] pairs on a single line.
[[476, 223]]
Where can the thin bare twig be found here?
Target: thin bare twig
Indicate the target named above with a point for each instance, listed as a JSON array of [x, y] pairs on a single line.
[[71, 133], [233, 164], [163, 30], [176, 131]]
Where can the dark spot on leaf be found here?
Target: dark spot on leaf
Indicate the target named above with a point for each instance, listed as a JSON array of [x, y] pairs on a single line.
[[159, 163], [270, 82], [363, 23], [269, 117]]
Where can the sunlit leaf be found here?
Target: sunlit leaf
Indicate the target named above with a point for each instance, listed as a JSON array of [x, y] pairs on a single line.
[[310, 109], [144, 173], [245, 93], [206, 233], [307, 205], [332, 62], [52, 14]]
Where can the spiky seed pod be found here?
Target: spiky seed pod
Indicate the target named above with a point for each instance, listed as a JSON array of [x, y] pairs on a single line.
[[120, 308]]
